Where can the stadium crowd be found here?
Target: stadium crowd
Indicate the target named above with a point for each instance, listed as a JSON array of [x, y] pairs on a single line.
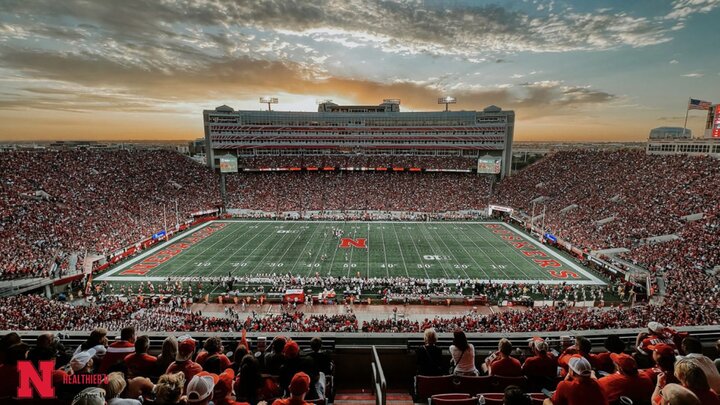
[[662, 366], [54, 203], [382, 191], [647, 195], [122, 371]]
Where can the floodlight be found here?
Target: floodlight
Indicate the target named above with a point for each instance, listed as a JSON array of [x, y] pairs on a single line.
[[447, 100], [269, 100]]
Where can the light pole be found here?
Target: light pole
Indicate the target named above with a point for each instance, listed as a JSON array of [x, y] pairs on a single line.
[[447, 100], [269, 100]]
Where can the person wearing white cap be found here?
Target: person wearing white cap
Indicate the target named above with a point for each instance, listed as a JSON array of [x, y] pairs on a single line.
[[580, 386], [200, 388], [657, 333], [82, 362]]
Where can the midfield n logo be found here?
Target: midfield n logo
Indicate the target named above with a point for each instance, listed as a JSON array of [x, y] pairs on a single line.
[[347, 242]]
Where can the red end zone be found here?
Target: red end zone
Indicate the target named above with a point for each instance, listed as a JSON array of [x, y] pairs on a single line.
[[143, 267]]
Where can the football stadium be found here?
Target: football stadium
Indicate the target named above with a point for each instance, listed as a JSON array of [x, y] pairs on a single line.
[[387, 251]]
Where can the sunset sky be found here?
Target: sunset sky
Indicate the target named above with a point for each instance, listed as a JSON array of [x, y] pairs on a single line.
[[572, 70]]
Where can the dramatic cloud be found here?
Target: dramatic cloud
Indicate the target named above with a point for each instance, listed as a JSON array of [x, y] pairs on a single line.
[[134, 86]]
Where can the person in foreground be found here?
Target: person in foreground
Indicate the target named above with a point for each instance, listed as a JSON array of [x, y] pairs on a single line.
[[580, 386], [675, 394], [299, 386]]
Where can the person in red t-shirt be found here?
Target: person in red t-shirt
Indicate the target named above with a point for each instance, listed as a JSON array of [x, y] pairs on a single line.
[[582, 347], [223, 393], [603, 362], [183, 362], [626, 381], [501, 363], [664, 357], [299, 386], [140, 363], [658, 333], [579, 387], [541, 368], [213, 348], [117, 351]]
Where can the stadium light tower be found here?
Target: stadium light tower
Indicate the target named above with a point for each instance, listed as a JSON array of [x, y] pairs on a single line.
[[447, 100], [269, 100]]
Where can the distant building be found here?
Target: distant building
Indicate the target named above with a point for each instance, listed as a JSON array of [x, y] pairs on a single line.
[[196, 147], [670, 133], [362, 129]]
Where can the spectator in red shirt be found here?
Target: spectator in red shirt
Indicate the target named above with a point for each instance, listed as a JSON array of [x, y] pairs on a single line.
[[692, 377], [613, 344], [626, 381], [213, 348], [140, 363], [579, 387], [223, 393], [582, 347], [299, 386], [541, 367], [502, 364], [664, 357], [183, 361], [117, 351]]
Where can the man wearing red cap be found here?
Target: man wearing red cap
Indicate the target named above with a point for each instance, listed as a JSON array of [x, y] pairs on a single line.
[[626, 381], [664, 357], [295, 363], [223, 393], [299, 386], [183, 362]]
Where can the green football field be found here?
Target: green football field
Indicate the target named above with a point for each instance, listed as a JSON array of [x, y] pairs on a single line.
[[429, 250]]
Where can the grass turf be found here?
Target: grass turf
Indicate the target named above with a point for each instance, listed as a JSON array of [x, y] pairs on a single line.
[[430, 250]]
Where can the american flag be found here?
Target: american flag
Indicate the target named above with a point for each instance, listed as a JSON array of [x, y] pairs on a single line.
[[699, 104]]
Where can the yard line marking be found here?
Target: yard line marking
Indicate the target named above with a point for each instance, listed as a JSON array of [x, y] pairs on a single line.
[[401, 252], [453, 255], [497, 250], [368, 250], [425, 232], [382, 237], [194, 257], [299, 256], [280, 239], [420, 257]]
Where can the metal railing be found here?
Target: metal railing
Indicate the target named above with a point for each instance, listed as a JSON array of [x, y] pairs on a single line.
[[379, 383]]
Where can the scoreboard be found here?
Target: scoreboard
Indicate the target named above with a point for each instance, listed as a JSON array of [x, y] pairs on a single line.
[[489, 164]]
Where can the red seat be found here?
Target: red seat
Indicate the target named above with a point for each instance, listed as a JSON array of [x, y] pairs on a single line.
[[457, 401], [493, 398], [427, 386], [499, 383], [473, 385], [454, 395]]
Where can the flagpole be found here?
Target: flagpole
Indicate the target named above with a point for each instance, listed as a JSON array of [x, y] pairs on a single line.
[[687, 110]]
